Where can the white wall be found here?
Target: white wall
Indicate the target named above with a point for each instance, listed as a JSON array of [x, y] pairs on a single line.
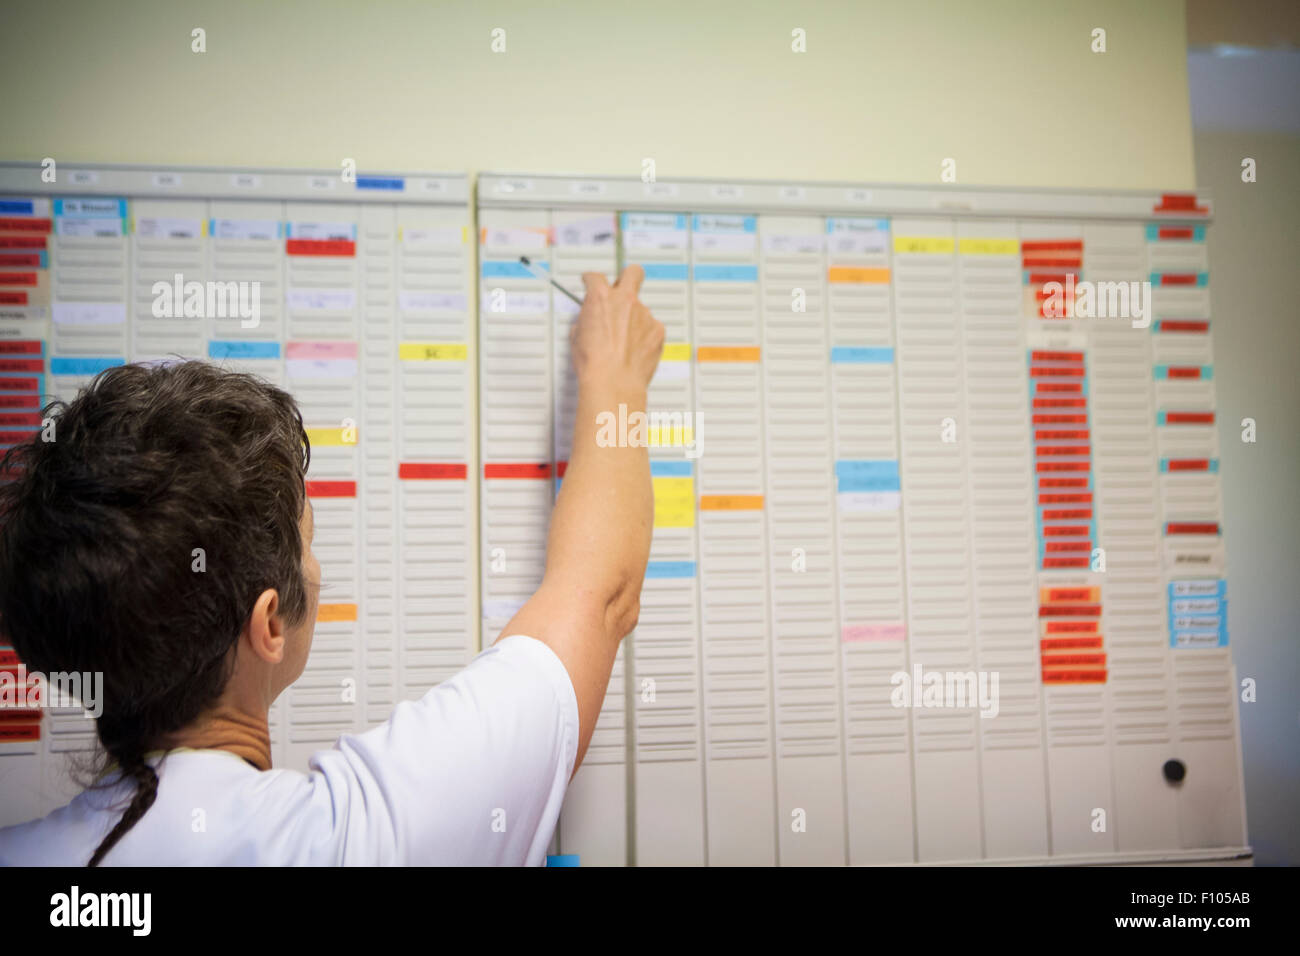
[[886, 91]]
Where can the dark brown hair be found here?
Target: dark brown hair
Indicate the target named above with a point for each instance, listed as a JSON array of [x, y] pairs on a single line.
[[136, 542]]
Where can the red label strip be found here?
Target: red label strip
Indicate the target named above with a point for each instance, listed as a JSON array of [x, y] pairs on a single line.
[[521, 470], [431, 471], [320, 247], [331, 489]]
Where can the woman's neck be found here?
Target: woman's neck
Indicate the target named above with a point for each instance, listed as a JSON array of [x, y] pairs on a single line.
[[226, 727]]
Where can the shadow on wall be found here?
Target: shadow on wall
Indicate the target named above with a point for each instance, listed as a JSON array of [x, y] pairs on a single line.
[[1245, 107]]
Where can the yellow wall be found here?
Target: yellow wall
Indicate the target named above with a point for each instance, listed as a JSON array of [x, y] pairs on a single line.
[[886, 91]]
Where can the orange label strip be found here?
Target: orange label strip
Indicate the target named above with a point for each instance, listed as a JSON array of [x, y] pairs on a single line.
[[858, 274], [1069, 595], [731, 502], [336, 612], [728, 353]]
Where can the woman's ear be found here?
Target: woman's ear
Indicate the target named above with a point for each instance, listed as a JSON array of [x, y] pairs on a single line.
[[265, 630]]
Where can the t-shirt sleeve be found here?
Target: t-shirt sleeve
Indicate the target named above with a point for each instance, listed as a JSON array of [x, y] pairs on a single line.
[[473, 773]]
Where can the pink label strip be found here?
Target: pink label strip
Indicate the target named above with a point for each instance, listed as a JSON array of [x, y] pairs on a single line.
[[874, 632], [321, 350]]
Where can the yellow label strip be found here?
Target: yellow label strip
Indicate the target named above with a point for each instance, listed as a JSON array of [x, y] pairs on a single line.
[[432, 352], [928, 244]]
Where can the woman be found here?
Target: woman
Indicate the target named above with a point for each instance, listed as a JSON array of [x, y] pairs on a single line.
[[98, 572]]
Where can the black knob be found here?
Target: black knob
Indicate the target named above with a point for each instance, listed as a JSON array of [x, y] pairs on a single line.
[[1174, 771]]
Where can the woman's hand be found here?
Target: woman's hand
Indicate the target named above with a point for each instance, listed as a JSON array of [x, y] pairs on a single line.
[[615, 340]]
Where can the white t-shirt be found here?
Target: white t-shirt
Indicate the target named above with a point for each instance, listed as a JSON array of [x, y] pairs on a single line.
[[473, 773]]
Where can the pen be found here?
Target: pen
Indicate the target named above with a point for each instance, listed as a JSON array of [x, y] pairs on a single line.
[[542, 275]]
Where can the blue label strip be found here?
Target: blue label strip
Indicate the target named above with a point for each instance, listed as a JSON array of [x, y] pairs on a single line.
[[243, 350], [670, 469], [726, 273], [91, 208], [863, 225], [866, 475], [670, 569], [679, 219], [665, 272], [1201, 628], [391, 183], [83, 366], [725, 223], [860, 355], [510, 269]]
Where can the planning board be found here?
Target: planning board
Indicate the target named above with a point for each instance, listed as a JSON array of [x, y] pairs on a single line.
[[879, 455], [885, 448]]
